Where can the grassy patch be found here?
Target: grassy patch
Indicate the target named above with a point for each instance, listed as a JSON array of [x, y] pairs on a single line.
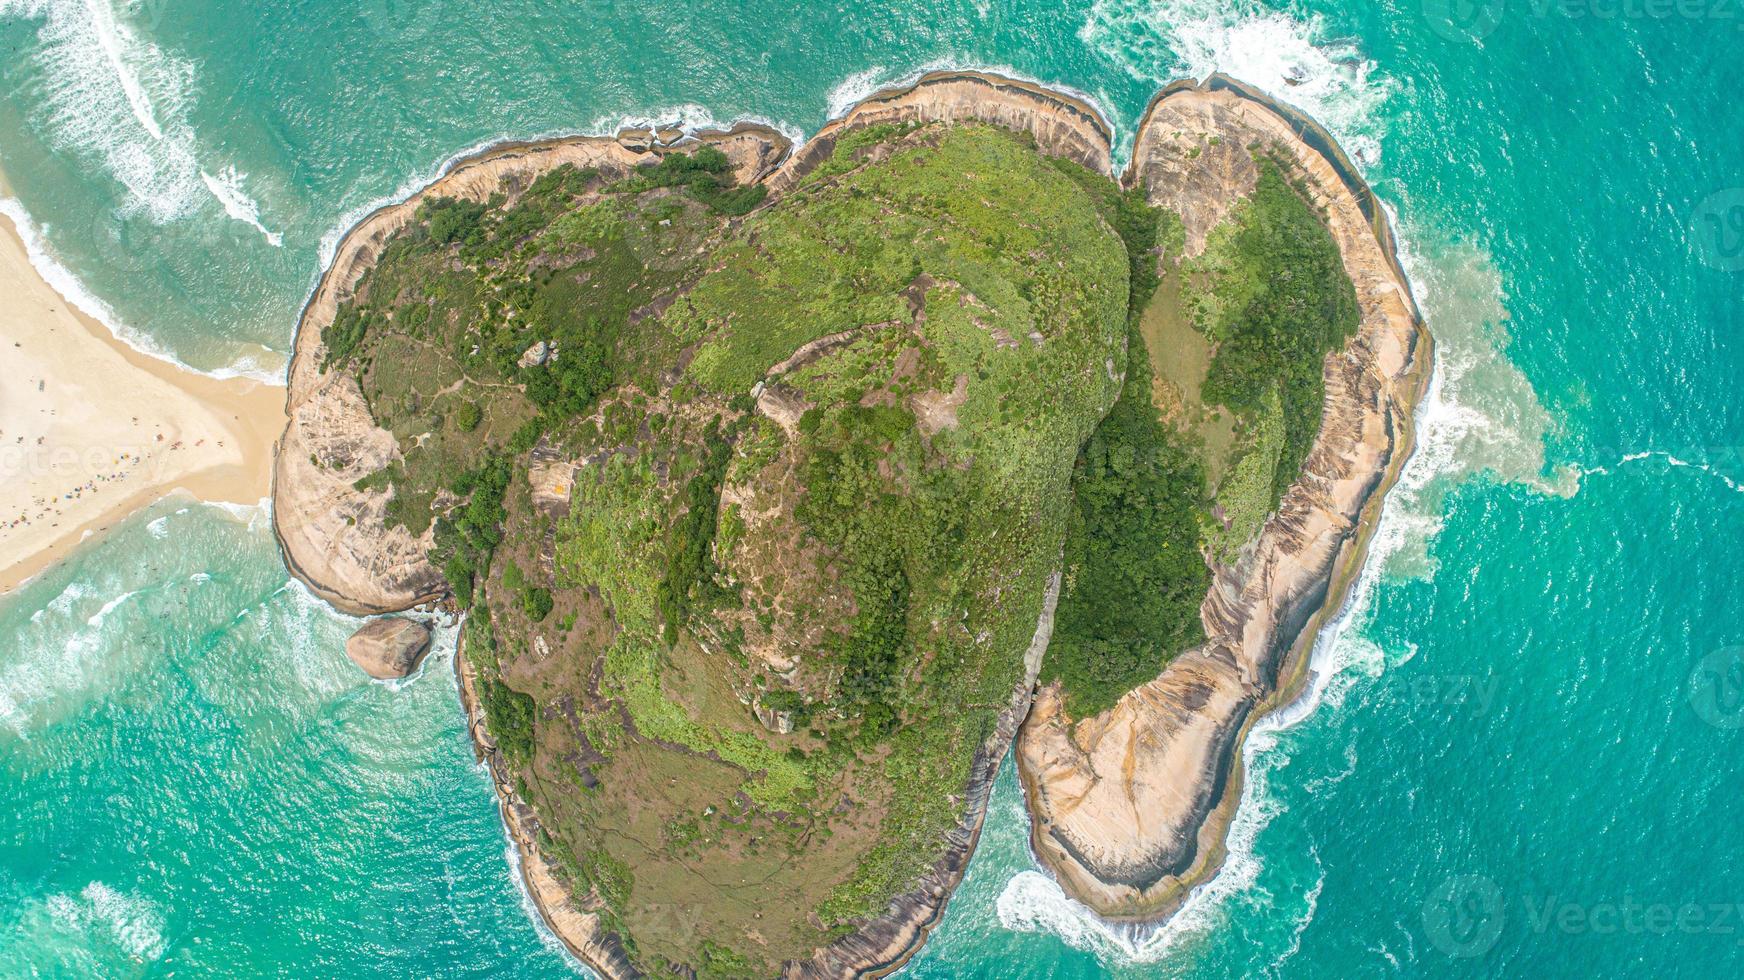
[[1278, 301]]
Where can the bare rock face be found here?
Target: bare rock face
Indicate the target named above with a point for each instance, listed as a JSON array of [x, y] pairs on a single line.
[[536, 355], [1062, 124], [388, 648]]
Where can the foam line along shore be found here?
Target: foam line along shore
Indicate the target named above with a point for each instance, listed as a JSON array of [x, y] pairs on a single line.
[[92, 430]]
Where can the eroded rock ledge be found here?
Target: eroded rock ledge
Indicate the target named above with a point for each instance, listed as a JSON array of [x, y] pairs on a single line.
[[1131, 807], [335, 539]]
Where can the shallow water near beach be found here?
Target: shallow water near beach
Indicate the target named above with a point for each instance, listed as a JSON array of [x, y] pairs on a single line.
[[1521, 748]]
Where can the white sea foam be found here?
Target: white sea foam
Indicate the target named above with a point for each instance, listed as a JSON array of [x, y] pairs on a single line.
[[512, 857], [329, 244], [689, 118], [1287, 56], [253, 516], [96, 621], [854, 89], [56, 656], [104, 92], [444, 640], [227, 188], [1676, 462], [64, 282], [863, 84], [311, 633], [130, 921], [1480, 417], [68, 597]]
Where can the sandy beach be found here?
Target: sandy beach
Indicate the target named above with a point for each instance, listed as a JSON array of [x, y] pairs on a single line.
[[92, 430]]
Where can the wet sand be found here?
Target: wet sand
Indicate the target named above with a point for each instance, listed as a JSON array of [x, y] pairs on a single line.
[[92, 430]]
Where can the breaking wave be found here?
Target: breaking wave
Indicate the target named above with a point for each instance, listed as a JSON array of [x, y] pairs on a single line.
[[857, 87], [130, 921], [110, 95], [1287, 56], [227, 188]]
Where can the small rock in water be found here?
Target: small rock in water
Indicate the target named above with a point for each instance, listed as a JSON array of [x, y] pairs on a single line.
[[388, 648]]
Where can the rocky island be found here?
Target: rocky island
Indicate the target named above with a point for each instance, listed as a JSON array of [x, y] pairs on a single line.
[[775, 482]]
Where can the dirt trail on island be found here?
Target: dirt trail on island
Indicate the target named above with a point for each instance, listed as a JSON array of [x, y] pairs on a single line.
[[1131, 807]]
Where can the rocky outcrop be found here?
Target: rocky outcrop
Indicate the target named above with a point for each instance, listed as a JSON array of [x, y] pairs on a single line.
[[389, 647], [1063, 125], [1131, 807], [883, 945], [571, 918], [874, 950]]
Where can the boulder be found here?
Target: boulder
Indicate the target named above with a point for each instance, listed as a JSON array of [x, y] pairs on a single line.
[[389, 647], [535, 355]]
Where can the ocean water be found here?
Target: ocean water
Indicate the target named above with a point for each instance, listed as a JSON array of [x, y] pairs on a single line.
[[1523, 747]]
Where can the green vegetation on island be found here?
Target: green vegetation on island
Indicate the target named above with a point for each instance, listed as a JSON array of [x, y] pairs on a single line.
[[753, 504]]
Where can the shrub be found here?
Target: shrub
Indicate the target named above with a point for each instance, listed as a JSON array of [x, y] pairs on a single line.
[[509, 714], [536, 603], [1134, 575], [453, 220]]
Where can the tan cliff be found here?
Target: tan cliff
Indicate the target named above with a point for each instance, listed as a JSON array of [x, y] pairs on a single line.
[[334, 536], [1131, 807]]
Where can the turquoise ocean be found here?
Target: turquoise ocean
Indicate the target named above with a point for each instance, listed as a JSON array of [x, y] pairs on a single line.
[[1522, 748]]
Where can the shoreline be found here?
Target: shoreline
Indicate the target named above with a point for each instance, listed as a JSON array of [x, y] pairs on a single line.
[[1261, 630], [97, 430], [575, 930]]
